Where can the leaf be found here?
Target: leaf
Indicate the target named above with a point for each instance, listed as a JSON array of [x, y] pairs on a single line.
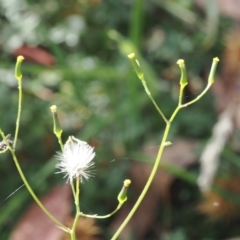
[[36, 55]]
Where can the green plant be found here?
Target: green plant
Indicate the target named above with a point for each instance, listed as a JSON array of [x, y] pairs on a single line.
[[74, 149]]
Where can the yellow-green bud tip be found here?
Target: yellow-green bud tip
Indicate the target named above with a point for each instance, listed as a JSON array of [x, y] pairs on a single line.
[[56, 125], [131, 55], [212, 73], [53, 108], [136, 66], [126, 183], [20, 58], [18, 73], [122, 196], [180, 62], [183, 80]]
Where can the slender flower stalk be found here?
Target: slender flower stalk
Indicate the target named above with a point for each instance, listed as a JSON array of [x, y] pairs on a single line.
[[7, 144], [140, 75], [122, 198], [76, 160], [164, 142], [57, 129], [18, 76], [30, 190]]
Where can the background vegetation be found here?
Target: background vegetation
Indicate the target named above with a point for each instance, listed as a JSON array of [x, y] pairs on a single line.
[[76, 58]]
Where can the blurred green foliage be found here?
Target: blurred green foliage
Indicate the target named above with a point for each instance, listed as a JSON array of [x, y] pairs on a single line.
[[98, 95]]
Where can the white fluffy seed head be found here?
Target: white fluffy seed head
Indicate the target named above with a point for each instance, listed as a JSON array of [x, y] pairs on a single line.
[[76, 159]]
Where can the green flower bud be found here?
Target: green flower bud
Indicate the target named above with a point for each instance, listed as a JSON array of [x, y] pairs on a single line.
[[212, 74], [183, 80], [56, 125], [18, 73], [136, 65], [122, 196]]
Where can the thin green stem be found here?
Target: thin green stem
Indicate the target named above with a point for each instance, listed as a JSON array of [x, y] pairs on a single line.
[[150, 179], [198, 97], [30, 189], [73, 189], [181, 94], [181, 90], [76, 198], [19, 111], [140, 75], [105, 216], [18, 76], [155, 167], [60, 142], [59, 137], [158, 159], [61, 146], [77, 194], [174, 114], [158, 109], [183, 83], [144, 83]]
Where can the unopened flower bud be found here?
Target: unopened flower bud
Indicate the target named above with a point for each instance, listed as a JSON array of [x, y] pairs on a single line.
[[136, 65], [212, 74], [183, 80], [56, 125], [18, 73], [122, 196]]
